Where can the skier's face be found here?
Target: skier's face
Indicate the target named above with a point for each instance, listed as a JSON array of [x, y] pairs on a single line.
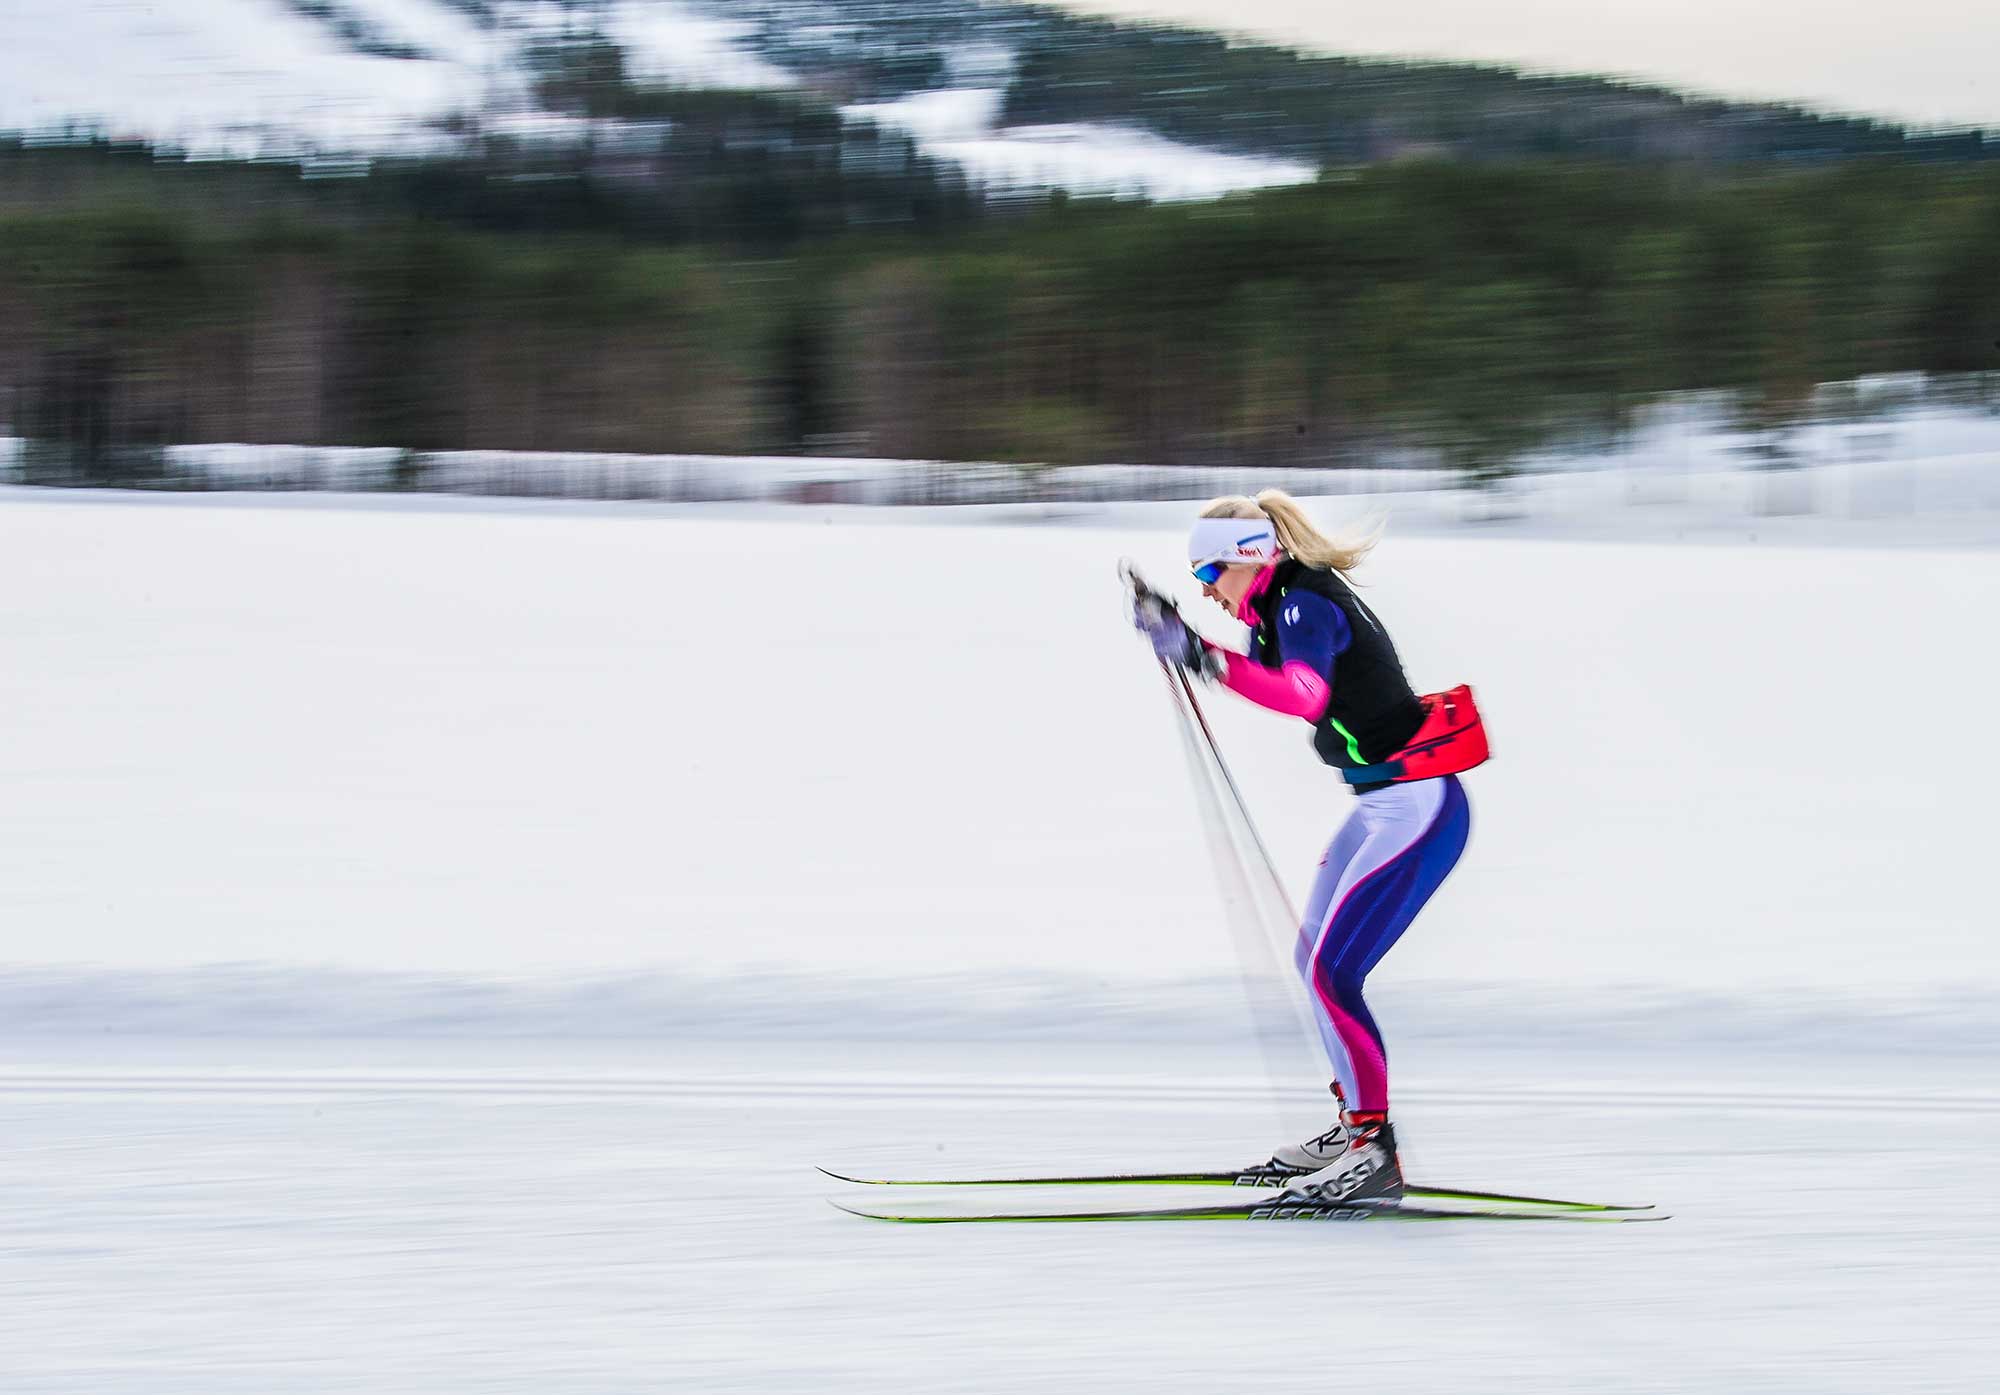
[[1229, 589]]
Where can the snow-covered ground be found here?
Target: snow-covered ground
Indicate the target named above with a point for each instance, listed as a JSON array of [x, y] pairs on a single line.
[[438, 937], [232, 1219], [405, 738]]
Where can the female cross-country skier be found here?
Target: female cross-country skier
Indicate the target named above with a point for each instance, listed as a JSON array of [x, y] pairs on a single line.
[[1318, 653]]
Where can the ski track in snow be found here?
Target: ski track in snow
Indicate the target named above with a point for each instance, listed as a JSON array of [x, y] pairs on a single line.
[[425, 971], [329, 1236]]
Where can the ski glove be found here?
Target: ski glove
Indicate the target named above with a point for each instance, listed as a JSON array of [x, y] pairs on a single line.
[[1159, 620]]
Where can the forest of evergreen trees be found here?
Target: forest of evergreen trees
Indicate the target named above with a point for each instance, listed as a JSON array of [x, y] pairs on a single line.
[[797, 286], [1207, 90], [1265, 99]]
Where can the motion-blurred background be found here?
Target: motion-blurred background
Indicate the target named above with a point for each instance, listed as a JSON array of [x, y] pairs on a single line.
[[560, 664], [942, 231]]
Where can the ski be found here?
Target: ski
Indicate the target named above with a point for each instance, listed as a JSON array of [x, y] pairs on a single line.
[[1251, 1177], [1271, 1210]]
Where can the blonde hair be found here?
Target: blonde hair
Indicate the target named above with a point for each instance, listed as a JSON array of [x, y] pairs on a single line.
[[1296, 533]]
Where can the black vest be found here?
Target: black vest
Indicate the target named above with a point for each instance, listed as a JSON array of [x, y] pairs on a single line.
[[1372, 712]]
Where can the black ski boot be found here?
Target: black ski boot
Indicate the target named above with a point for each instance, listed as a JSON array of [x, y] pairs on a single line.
[[1366, 1170]]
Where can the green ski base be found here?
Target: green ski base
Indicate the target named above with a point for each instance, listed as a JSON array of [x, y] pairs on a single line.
[[1259, 1211], [1238, 1178]]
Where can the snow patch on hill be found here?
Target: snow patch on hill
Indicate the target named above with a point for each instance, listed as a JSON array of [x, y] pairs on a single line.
[[242, 78], [961, 125], [666, 42]]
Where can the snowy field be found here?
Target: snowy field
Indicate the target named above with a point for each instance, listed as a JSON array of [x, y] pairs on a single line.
[[394, 1217], [440, 937]]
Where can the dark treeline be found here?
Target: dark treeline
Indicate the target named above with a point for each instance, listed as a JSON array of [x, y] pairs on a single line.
[[745, 171], [1266, 99], [1473, 309], [1201, 88]]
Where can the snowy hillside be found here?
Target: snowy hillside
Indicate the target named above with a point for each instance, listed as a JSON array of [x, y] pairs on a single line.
[[240, 77], [257, 76], [253, 78]]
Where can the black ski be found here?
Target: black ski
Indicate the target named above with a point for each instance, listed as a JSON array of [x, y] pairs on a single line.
[[1270, 1210], [1251, 1177]]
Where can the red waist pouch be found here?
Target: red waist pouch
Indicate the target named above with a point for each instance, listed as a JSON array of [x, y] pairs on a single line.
[[1452, 739]]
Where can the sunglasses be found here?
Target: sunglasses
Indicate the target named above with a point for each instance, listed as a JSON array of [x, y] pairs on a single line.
[[1208, 572]]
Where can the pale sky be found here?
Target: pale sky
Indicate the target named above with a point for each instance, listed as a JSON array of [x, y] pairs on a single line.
[[1927, 62]]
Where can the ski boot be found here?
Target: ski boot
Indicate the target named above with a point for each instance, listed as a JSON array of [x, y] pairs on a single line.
[[1366, 1170], [1300, 1159]]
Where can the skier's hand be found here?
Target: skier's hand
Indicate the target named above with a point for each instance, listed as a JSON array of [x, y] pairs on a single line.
[[1159, 620]]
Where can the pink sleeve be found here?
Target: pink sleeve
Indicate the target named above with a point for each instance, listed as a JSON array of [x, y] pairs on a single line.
[[1293, 689]]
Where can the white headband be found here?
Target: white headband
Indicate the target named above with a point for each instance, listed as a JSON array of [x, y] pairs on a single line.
[[1232, 540]]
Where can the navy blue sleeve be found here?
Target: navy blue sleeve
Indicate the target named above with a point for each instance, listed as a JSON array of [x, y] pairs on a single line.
[[1312, 630]]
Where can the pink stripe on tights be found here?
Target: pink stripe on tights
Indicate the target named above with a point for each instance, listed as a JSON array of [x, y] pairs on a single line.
[[1371, 1068]]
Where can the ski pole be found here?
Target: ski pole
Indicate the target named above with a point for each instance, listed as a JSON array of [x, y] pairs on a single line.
[[1235, 792]]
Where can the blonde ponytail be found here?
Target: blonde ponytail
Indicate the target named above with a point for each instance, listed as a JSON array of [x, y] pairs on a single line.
[[1296, 533]]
